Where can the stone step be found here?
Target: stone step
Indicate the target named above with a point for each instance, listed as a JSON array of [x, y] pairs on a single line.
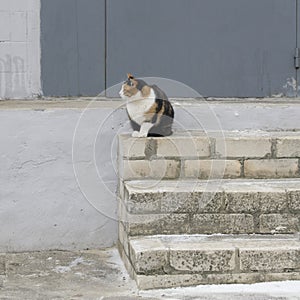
[[240, 206], [204, 155], [172, 261]]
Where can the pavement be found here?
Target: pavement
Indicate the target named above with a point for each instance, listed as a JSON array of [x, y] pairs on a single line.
[[100, 275]]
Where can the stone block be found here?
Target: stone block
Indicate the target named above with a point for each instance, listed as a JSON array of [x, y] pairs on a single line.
[[123, 238], [282, 276], [205, 169], [159, 169], [238, 278], [221, 223], [288, 147], [143, 203], [237, 147], [190, 146], [175, 224], [157, 224], [284, 257], [248, 201], [294, 200], [148, 256], [122, 212], [204, 257], [192, 202], [271, 168], [2, 264], [131, 147], [143, 224], [279, 223], [172, 197], [126, 261], [168, 281], [179, 202], [182, 280], [120, 189], [210, 202]]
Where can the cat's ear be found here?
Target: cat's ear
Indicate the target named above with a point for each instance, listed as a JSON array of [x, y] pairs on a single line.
[[129, 76]]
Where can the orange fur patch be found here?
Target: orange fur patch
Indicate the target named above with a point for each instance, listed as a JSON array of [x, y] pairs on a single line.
[[129, 90], [152, 111], [129, 76], [146, 90]]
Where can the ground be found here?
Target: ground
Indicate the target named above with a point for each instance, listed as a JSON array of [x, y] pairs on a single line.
[[100, 275]]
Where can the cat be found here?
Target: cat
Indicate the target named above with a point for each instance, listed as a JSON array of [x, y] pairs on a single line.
[[149, 110]]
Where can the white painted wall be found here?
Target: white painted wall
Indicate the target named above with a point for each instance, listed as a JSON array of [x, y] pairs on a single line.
[[42, 206], [20, 49], [56, 194]]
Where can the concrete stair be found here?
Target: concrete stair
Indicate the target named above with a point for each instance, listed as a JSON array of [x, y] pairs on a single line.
[[181, 223], [170, 261]]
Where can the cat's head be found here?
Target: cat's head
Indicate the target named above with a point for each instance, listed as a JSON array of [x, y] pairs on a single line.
[[133, 88]]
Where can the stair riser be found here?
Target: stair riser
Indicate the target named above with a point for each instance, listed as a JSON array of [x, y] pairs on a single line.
[[146, 282], [208, 261], [199, 212], [236, 145], [247, 201], [181, 168], [136, 225], [207, 158]]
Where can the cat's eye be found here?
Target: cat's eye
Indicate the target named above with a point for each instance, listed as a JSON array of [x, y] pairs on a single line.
[[128, 82]]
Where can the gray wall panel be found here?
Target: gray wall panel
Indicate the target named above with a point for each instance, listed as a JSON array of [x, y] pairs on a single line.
[[232, 48], [73, 47], [91, 46], [220, 48]]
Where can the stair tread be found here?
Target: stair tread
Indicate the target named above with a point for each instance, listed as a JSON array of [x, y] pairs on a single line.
[[213, 242], [192, 185], [224, 133]]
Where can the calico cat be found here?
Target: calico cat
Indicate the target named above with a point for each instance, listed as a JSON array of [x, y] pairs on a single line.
[[148, 108]]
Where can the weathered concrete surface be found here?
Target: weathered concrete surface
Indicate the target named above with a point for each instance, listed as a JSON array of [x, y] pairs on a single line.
[[51, 195], [65, 275], [100, 275]]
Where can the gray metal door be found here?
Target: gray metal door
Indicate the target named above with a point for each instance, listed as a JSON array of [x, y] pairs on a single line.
[[232, 48], [73, 47]]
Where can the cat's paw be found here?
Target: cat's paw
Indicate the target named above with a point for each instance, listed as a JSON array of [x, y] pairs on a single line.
[[139, 134], [135, 134]]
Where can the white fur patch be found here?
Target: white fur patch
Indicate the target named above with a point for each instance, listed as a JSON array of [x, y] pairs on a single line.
[[138, 105]]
